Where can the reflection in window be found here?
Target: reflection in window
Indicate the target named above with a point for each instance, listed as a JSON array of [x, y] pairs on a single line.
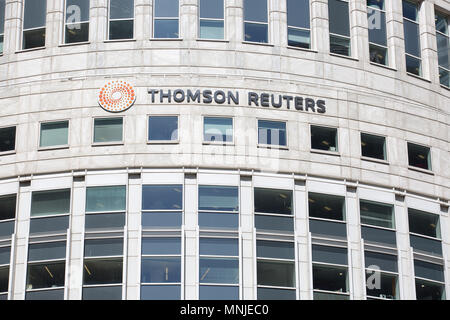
[[419, 156], [373, 146], [272, 133], [162, 128], [7, 215], [166, 19], [273, 210], [121, 19], [76, 22], [162, 206], [324, 138], [299, 33], [256, 21], [218, 207], [54, 134], [5, 253], [381, 275], [376, 16], [412, 37], [211, 19], [108, 130], [443, 48], [216, 129], [377, 222], [339, 24], [105, 199], [2, 24], [34, 20], [425, 232], [102, 279], [430, 283], [7, 139]]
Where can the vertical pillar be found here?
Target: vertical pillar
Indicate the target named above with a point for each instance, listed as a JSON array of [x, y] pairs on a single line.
[[358, 30], [142, 20], [188, 19], [13, 27], [54, 23], [395, 35], [430, 69], [247, 251], [320, 33], [278, 23], [234, 19]]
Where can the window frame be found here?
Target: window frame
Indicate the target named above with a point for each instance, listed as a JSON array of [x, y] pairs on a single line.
[[417, 22], [429, 160], [267, 24], [212, 19], [2, 35], [387, 64], [108, 18], [52, 215], [65, 24], [432, 281], [15, 211], [7, 266], [32, 29], [380, 204], [224, 143], [447, 17], [13, 151], [154, 18], [383, 272], [108, 143], [337, 139], [272, 146], [301, 29], [54, 147], [385, 148], [177, 141], [338, 36]]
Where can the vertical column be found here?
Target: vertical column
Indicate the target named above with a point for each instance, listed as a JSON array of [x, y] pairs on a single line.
[[278, 22], [358, 30], [188, 19], [134, 236], [22, 231], [75, 263], [13, 26], [98, 25], [143, 19], [395, 35], [320, 33], [234, 20], [445, 226], [428, 42], [191, 230], [246, 224], [54, 24]]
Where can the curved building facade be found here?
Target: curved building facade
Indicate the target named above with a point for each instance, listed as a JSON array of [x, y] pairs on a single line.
[[235, 149]]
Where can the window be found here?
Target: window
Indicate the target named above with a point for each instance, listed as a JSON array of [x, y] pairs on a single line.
[[218, 207], [376, 16], [7, 215], [105, 208], [162, 206], [121, 19], [430, 282], [212, 19], [327, 215], [219, 268], [50, 211], [162, 128], [425, 232], [339, 25], [412, 37], [381, 275], [76, 23], [377, 223], [2, 24], [7, 139], [419, 156], [256, 26], [443, 48], [161, 268], [5, 256], [373, 146], [217, 129], [275, 270], [272, 133], [46, 270], [165, 20], [54, 134], [273, 210], [34, 20], [299, 33], [324, 138], [108, 130], [102, 268], [330, 273]]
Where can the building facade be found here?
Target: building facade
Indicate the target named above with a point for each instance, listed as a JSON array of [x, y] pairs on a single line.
[[235, 149]]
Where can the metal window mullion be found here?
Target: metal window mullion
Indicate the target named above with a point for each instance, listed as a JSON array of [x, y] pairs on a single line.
[[299, 28], [340, 36], [430, 280], [36, 28], [330, 264]]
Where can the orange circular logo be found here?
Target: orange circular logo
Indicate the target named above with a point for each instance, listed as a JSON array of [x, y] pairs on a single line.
[[116, 96]]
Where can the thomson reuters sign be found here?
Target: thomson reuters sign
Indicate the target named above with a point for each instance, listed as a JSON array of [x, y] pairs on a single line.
[[116, 96]]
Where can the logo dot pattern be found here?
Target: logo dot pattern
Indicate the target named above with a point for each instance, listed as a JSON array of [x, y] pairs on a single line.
[[116, 96]]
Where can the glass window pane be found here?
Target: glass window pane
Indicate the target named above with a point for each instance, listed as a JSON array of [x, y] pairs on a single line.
[[429, 291], [409, 10], [326, 206], [426, 245], [419, 156], [330, 278], [111, 198], [102, 293], [214, 220], [161, 270], [379, 236], [163, 128], [167, 28], [374, 146], [340, 45], [299, 38], [75, 7], [275, 249], [163, 245], [328, 228], [219, 293], [428, 270], [6, 229], [378, 55], [161, 219], [329, 254], [219, 246], [330, 296], [441, 23], [212, 9], [166, 8], [339, 17], [50, 202], [376, 214], [423, 223], [51, 295], [77, 33], [218, 198], [35, 12], [255, 10], [1, 51], [377, 26], [156, 292], [280, 273], [45, 275], [54, 134], [387, 287], [4, 279], [162, 197], [219, 270], [49, 225], [99, 271], [255, 32], [104, 221], [33, 39], [103, 247], [5, 255], [7, 138], [273, 201], [47, 251], [7, 207], [386, 262], [324, 138], [443, 50], [412, 40], [298, 13], [276, 294], [413, 65], [108, 130], [218, 129], [211, 29], [379, 4], [121, 9], [2, 16], [272, 132], [120, 29], [273, 223]]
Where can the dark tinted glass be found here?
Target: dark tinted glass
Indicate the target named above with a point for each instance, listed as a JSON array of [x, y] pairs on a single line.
[[218, 129], [211, 9], [443, 50], [271, 273], [409, 10], [103, 293], [4, 279], [272, 132], [323, 138], [373, 146], [162, 197], [255, 10], [45, 295], [441, 22], [50, 202], [379, 4], [161, 219], [339, 17], [386, 262], [386, 288], [423, 223], [166, 8], [47, 251], [273, 201], [219, 246], [326, 206], [377, 55], [33, 39], [429, 291], [77, 34], [157, 292], [299, 38], [163, 245], [412, 39], [276, 294], [339, 45], [103, 247], [105, 221], [413, 65], [256, 32], [219, 270], [419, 156], [330, 278], [46, 275], [163, 128], [426, 245], [380, 236], [161, 270], [121, 9], [214, 220], [219, 293], [73, 7], [165, 29], [330, 296], [2, 16], [376, 214], [99, 271], [328, 228], [120, 29], [35, 12], [329, 254], [7, 228], [428, 270], [49, 225], [271, 223], [7, 139], [218, 198], [377, 27], [5, 255], [298, 13], [7, 207], [275, 249]]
